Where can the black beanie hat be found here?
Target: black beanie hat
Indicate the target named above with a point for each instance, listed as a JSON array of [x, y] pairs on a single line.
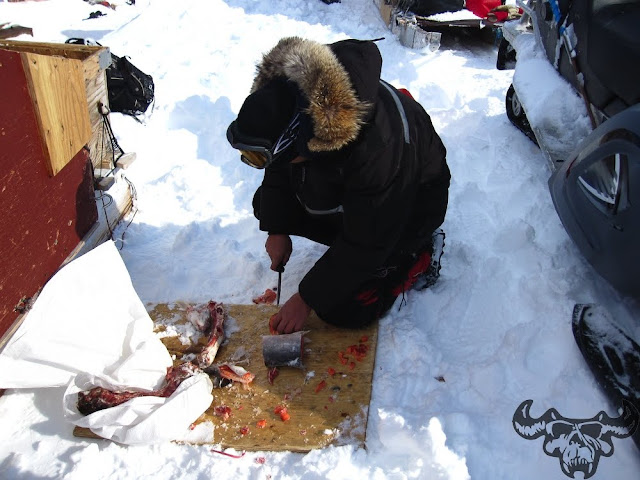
[[266, 113]]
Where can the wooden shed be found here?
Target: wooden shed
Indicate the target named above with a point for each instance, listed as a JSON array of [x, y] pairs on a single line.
[[50, 131]]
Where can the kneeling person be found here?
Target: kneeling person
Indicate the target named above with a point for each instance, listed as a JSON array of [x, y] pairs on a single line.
[[350, 162]]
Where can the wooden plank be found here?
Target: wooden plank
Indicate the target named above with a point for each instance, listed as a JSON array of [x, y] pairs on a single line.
[[66, 50], [336, 414], [387, 8], [97, 94], [14, 31], [58, 92]]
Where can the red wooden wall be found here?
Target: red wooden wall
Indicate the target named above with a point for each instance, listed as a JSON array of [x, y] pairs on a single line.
[[42, 218]]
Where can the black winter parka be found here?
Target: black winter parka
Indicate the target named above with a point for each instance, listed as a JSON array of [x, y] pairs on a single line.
[[376, 179]]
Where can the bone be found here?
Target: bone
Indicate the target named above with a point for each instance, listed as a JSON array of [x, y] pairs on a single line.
[[199, 316], [216, 335]]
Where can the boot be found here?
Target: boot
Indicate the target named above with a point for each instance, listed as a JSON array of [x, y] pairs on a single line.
[[430, 277]]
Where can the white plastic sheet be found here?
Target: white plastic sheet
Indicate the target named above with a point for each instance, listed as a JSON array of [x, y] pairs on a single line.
[[89, 328], [145, 419]]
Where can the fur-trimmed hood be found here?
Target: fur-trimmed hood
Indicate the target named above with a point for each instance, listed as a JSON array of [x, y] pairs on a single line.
[[338, 85]]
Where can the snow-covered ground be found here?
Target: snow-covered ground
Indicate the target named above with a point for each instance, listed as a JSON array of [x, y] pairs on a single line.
[[496, 327]]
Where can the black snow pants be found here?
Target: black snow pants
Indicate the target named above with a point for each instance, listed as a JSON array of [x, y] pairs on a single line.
[[375, 296]]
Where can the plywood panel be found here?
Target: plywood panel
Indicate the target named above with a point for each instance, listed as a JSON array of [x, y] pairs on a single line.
[[43, 218], [322, 414], [95, 59], [58, 92]]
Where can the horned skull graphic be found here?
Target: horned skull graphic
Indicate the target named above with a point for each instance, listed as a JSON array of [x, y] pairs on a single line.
[[578, 444]]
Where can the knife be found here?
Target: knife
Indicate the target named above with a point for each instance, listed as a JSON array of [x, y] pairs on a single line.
[[279, 269]]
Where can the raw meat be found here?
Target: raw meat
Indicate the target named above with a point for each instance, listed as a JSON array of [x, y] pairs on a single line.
[[268, 297], [99, 398]]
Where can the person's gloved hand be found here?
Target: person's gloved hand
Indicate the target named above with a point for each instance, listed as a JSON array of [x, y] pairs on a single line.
[[291, 317], [279, 249]]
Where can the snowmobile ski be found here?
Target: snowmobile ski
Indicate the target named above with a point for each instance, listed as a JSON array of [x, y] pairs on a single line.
[[612, 356]]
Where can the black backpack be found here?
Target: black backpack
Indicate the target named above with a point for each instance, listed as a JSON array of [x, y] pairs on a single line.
[[131, 91]]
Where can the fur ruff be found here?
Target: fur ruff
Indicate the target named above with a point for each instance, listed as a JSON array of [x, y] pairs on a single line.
[[334, 107]]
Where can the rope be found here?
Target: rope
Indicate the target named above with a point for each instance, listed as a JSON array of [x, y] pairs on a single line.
[[110, 143]]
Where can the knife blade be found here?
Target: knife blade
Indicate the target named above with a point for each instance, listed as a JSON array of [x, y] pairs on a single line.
[[279, 269]]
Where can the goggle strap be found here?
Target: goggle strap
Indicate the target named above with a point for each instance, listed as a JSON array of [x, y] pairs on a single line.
[[288, 136]]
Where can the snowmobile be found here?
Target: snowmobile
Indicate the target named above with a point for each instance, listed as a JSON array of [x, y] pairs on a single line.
[[583, 56], [421, 24], [594, 47]]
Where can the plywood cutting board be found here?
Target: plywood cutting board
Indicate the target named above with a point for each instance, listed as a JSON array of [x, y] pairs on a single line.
[[333, 415]]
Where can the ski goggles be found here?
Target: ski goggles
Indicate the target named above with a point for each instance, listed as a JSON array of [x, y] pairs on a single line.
[[260, 153]]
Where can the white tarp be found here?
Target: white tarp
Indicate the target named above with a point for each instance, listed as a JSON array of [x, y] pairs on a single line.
[[89, 328]]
